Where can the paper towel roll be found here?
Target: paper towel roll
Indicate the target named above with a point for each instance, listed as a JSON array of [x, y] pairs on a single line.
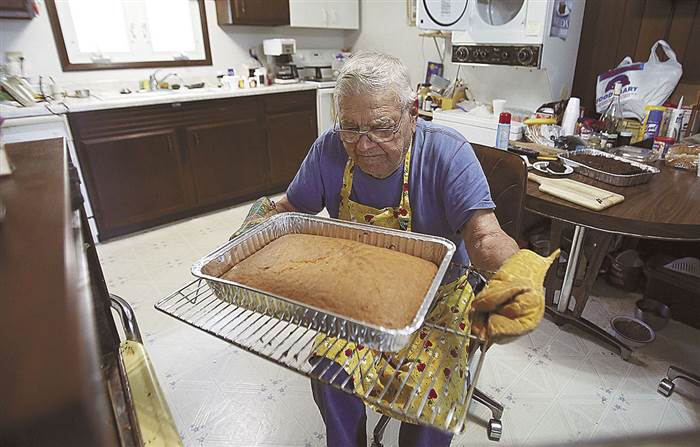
[[568, 123]]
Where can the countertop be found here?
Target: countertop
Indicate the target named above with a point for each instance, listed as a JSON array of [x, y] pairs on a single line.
[[115, 101], [51, 381]]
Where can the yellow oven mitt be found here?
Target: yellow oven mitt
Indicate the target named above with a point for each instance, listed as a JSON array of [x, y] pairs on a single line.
[[512, 303], [259, 212]]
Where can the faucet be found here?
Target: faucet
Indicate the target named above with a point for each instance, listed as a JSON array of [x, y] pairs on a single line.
[[154, 82]]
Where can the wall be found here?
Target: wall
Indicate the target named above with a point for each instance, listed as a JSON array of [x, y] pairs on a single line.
[[613, 29], [384, 26], [229, 47]]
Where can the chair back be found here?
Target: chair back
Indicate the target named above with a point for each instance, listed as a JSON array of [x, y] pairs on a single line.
[[506, 174]]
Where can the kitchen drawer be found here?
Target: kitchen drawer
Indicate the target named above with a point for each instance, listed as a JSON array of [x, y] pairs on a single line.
[[131, 120], [289, 102]]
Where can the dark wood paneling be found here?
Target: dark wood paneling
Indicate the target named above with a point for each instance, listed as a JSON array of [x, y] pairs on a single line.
[[229, 159], [656, 23], [613, 29]]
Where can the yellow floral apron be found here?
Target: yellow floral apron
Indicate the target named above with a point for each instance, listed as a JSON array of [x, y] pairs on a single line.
[[432, 357]]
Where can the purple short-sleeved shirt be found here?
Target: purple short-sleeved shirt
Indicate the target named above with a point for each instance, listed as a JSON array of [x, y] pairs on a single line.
[[446, 183]]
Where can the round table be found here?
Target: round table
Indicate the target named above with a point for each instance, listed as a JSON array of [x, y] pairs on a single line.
[[667, 207]]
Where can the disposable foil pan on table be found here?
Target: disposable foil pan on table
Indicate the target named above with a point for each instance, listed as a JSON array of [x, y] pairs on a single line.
[[434, 249], [606, 177]]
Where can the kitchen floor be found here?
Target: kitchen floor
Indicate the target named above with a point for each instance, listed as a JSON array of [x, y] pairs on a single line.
[[556, 384]]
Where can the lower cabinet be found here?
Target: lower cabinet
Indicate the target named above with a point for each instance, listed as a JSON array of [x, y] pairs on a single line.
[[134, 178], [145, 166], [229, 160]]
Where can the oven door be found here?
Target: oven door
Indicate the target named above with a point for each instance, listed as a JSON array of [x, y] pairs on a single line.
[[505, 22]]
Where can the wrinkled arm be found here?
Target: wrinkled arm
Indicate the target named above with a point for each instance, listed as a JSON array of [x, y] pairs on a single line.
[[487, 244]]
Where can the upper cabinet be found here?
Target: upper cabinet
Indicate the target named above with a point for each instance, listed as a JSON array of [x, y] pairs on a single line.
[[252, 12], [17, 9], [339, 14]]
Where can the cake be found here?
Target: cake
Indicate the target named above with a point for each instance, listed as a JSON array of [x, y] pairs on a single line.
[[606, 164], [371, 284]]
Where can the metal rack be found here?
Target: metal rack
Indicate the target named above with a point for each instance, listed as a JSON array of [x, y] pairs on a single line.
[[287, 339]]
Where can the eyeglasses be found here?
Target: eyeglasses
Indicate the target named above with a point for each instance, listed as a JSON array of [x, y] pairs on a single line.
[[381, 135]]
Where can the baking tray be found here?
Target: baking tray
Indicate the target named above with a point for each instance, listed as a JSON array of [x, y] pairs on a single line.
[[605, 177], [434, 249]]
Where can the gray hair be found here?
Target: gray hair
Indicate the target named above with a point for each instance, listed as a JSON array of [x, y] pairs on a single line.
[[369, 72]]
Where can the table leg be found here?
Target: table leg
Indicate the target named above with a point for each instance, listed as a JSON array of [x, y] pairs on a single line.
[[590, 328], [562, 315], [571, 265]]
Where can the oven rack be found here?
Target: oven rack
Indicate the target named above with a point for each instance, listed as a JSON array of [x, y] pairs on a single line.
[[287, 340]]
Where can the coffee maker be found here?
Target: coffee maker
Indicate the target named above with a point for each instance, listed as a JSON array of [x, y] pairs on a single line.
[[279, 54]]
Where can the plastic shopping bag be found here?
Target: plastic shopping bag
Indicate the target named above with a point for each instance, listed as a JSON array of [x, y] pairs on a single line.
[[643, 83]]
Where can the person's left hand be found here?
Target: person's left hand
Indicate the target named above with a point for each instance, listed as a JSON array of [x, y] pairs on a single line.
[[512, 303], [259, 212]]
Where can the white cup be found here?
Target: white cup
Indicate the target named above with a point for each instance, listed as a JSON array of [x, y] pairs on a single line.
[[498, 105], [568, 122]]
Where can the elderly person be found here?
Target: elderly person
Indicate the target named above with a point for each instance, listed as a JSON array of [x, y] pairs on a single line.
[[382, 166]]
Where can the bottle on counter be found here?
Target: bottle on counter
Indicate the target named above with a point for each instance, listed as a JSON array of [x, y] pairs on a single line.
[[612, 119], [503, 131]]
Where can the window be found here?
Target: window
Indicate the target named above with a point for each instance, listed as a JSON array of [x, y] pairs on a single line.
[[109, 34]]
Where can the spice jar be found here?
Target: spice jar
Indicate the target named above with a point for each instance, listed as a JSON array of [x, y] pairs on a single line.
[[661, 145]]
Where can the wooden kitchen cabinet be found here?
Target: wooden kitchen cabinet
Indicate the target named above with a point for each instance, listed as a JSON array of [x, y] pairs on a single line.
[[336, 14], [252, 12], [229, 159], [134, 178], [291, 119], [17, 9], [148, 165]]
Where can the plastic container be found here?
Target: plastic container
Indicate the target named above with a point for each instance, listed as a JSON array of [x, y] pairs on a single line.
[[626, 270], [652, 312], [653, 118], [476, 129], [661, 146], [633, 332], [678, 291]]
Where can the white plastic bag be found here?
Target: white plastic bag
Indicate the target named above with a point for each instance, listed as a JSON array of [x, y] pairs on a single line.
[[643, 83]]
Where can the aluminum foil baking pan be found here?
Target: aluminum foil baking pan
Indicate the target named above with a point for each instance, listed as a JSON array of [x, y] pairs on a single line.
[[434, 249], [606, 177]]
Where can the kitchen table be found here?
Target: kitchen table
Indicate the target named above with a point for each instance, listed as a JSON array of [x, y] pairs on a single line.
[[666, 208]]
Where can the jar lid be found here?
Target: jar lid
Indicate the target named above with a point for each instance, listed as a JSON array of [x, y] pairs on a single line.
[[504, 118], [665, 139]]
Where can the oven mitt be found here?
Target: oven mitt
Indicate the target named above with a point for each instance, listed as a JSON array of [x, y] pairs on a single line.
[[259, 212], [512, 303]]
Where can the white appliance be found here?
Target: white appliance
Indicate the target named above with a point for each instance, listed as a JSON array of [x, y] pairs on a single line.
[[278, 47], [319, 67], [506, 22], [521, 50], [442, 14], [325, 109], [476, 129], [17, 130]]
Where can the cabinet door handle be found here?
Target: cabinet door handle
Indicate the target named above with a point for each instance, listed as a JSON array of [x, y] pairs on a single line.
[[196, 140], [175, 105], [170, 146], [243, 6], [325, 16]]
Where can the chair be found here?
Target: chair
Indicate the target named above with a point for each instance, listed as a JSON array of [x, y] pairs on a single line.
[[506, 174]]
